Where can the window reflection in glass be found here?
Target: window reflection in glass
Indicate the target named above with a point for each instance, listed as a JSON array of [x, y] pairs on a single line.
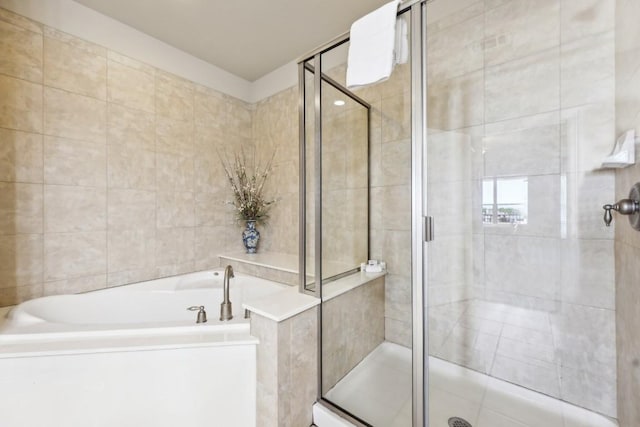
[[505, 200]]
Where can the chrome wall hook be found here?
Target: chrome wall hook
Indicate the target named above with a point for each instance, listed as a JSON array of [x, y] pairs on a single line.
[[630, 207]]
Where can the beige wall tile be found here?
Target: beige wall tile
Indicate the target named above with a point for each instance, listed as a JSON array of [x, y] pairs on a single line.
[[130, 127], [397, 252], [174, 136], [208, 104], [20, 208], [131, 249], [209, 176], [131, 209], [75, 285], [174, 97], [456, 103], [131, 168], [209, 140], [120, 278], [525, 86], [71, 65], [20, 105], [69, 255], [72, 209], [174, 246], [209, 244], [455, 155], [581, 18], [20, 21], [396, 211], [584, 190], [397, 332], [130, 62], [398, 297], [211, 209], [175, 209], [130, 87], [22, 260], [11, 296], [588, 63], [587, 135], [20, 52], [456, 50], [440, 19], [396, 155], [20, 156], [527, 146], [239, 117], [74, 116], [349, 333], [70, 162], [520, 28], [174, 172]]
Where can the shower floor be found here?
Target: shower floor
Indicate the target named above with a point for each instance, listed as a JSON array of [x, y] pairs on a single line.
[[379, 390]]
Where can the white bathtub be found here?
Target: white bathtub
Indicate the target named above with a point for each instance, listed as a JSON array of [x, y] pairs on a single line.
[[132, 356]]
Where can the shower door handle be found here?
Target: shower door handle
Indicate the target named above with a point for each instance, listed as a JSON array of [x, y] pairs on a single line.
[[428, 228]]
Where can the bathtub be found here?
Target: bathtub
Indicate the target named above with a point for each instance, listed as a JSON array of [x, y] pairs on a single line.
[[132, 356]]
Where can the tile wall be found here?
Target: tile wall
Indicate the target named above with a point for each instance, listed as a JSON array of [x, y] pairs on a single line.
[[390, 191], [286, 369], [109, 171], [523, 89], [627, 241], [352, 327], [276, 131]]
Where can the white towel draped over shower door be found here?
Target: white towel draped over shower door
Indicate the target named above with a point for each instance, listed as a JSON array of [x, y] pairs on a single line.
[[372, 49]]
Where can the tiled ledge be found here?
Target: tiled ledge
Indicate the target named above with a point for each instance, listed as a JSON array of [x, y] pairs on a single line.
[[278, 267], [345, 284]]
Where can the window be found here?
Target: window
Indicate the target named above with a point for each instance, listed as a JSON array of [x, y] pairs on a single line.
[[505, 200]]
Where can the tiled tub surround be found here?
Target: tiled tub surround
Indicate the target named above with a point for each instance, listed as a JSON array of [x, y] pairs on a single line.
[[523, 89], [286, 368], [109, 171], [286, 324], [627, 240]]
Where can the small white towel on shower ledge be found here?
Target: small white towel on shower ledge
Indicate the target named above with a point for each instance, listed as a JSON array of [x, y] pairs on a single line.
[[372, 48]]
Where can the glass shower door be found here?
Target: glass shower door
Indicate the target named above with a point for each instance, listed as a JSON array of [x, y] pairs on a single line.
[[521, 276]]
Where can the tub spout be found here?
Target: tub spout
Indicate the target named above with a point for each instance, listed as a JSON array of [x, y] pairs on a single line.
[[226, 313]]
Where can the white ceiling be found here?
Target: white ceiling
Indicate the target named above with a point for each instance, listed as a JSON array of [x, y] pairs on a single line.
[[248, 38]]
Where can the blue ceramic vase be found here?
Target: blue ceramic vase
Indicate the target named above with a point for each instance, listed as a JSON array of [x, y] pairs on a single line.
[[250, 237]]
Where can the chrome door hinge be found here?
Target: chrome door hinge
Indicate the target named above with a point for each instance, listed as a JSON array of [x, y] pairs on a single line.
[[428, 228]]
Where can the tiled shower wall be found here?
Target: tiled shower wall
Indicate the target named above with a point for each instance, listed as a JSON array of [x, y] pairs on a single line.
[[109, 172], [524, 89], [627, 240]]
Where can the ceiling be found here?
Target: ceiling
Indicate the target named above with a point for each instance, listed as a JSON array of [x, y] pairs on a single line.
[[247, 38]]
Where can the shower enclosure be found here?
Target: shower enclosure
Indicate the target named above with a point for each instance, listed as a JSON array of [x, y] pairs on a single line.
[[356, 151], [489, 142]]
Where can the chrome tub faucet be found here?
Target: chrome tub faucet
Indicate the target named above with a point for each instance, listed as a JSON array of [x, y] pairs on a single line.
[[226, 312]]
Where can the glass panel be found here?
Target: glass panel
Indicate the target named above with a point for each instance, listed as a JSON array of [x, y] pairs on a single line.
[[521, 272], [345, 181], [366, 333]]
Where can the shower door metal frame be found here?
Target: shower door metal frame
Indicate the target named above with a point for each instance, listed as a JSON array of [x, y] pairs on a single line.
[[418, 13]]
